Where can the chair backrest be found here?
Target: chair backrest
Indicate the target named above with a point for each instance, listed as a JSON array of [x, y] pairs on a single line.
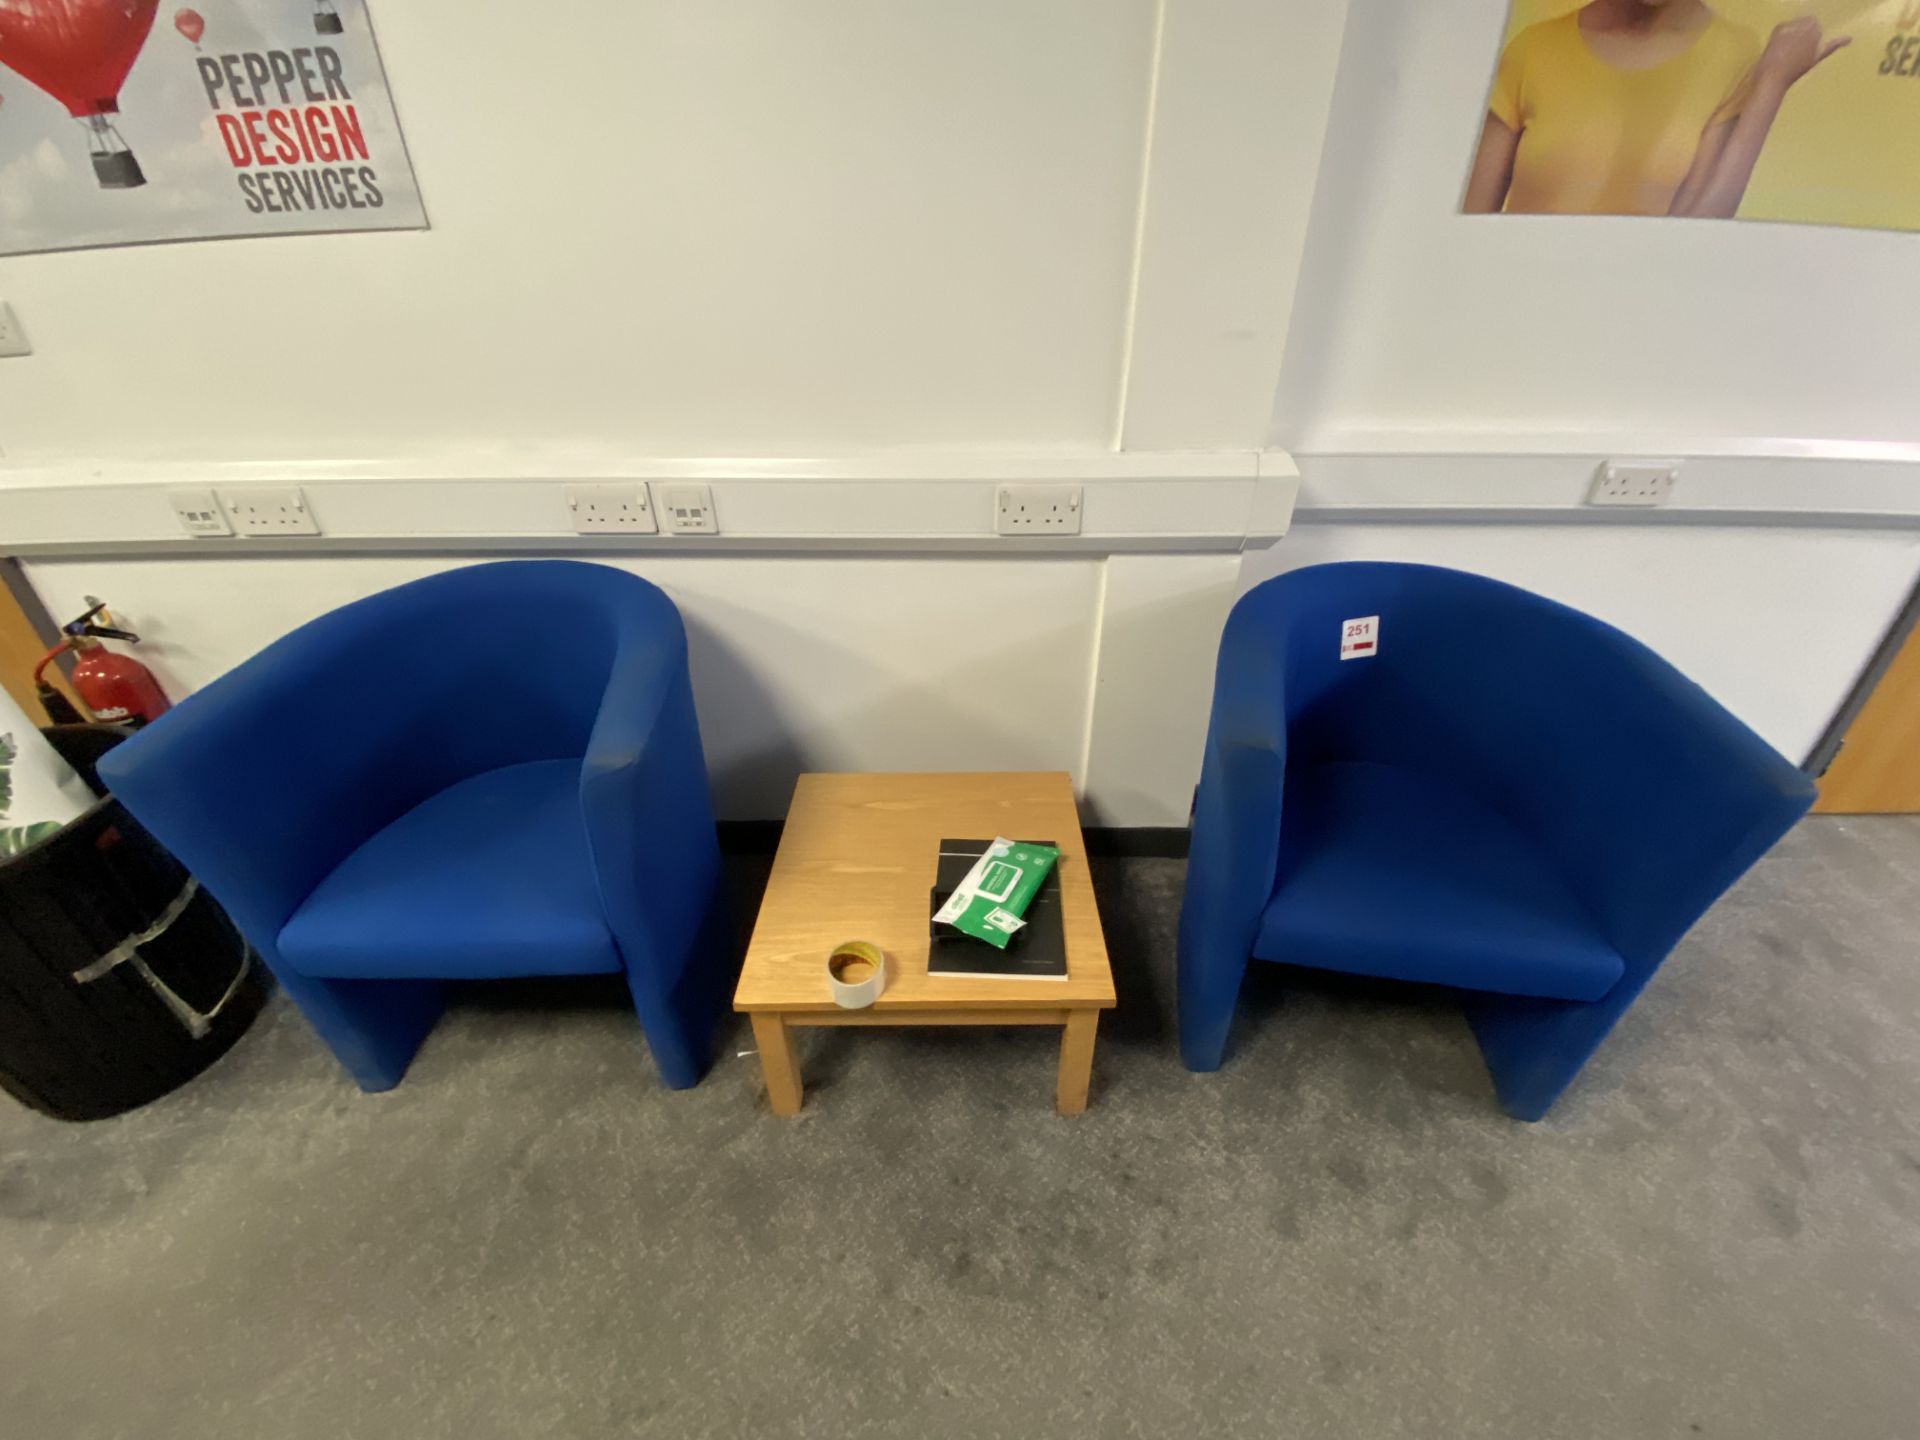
[[1453, 651], [350, 721], [490, 664], [1463, 665], [458, 673], [1580, 734]]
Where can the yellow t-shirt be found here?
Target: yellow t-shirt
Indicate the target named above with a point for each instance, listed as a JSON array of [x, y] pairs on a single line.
[[1596, 140]]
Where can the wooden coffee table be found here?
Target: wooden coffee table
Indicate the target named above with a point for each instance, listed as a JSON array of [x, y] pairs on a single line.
[[856, 862]]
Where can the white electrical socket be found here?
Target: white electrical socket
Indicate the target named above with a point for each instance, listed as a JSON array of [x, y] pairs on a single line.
[[13, 340], [199, 512], [1644, 482], [269, 510], [688, 509], [1037, 510], [611, 509]]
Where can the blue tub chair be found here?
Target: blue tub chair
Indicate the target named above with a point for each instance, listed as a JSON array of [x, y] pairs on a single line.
[[487, 773], [1505, 796]]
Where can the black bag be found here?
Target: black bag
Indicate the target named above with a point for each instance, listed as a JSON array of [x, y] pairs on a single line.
[[120, 979]]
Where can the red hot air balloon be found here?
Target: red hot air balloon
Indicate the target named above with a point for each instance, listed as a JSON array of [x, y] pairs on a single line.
[[79, 52], [189, 24]]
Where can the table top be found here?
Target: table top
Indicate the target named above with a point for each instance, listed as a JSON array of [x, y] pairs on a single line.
[[856, 862]]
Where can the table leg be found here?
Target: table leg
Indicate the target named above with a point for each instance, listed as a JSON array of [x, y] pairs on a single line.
[[777, 1062], [1076, 1060]]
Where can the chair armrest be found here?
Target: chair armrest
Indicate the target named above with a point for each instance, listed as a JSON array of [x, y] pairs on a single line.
[[1235, 843], [265, 780], [1233, 854], [649, 815], [1649, 795]]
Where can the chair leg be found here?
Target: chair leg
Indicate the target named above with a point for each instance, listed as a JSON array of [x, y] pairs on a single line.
[[373, 1027], [681, 1029], [679, 1044], [1534, 1048], [1208, 993]]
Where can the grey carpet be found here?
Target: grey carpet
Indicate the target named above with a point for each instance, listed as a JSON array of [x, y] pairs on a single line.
[[1717, 1233]]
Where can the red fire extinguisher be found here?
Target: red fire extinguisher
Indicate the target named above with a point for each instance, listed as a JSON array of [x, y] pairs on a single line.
[[117, 688]]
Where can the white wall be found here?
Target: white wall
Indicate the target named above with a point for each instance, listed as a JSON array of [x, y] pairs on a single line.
[[806, 234], [807, 664], [1476, 370], [797, 664], [1239, 108], [796, 234], [1420, 328], [1774, 623], [751, 227]]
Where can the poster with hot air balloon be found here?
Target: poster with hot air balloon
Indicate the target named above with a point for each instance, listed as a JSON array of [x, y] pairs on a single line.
[[126, 122]]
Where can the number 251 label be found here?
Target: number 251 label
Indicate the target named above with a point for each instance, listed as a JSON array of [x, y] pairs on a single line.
[[1360, 639]]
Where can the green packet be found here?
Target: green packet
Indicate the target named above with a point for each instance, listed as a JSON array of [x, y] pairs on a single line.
[[989, 901]]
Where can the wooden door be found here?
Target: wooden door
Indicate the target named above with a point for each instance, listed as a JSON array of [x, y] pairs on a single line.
[[20, 650], [1877, 771]]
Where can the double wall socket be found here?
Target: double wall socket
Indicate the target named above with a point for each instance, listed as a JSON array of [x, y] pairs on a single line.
[[251, 510], [1647, 482], [612, 510], [1037, 510]]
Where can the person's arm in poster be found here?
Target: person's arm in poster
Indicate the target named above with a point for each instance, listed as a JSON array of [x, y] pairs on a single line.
[[1492, 173], [1716, 182]]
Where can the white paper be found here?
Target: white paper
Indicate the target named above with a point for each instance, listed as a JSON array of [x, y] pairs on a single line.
[[1360, 639]]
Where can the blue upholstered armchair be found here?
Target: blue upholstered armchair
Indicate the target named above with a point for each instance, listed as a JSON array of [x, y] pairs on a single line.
[[491, 772], [1505, 796]]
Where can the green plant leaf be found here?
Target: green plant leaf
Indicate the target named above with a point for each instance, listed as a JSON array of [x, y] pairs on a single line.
[[7, 751], [16, 838]]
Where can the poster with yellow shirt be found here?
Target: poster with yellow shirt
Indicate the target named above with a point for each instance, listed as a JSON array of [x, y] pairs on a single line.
[[1747, 109]]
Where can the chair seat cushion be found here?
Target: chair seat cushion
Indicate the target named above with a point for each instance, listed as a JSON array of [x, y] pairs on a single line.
[[1389, 873], [489, 878]]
